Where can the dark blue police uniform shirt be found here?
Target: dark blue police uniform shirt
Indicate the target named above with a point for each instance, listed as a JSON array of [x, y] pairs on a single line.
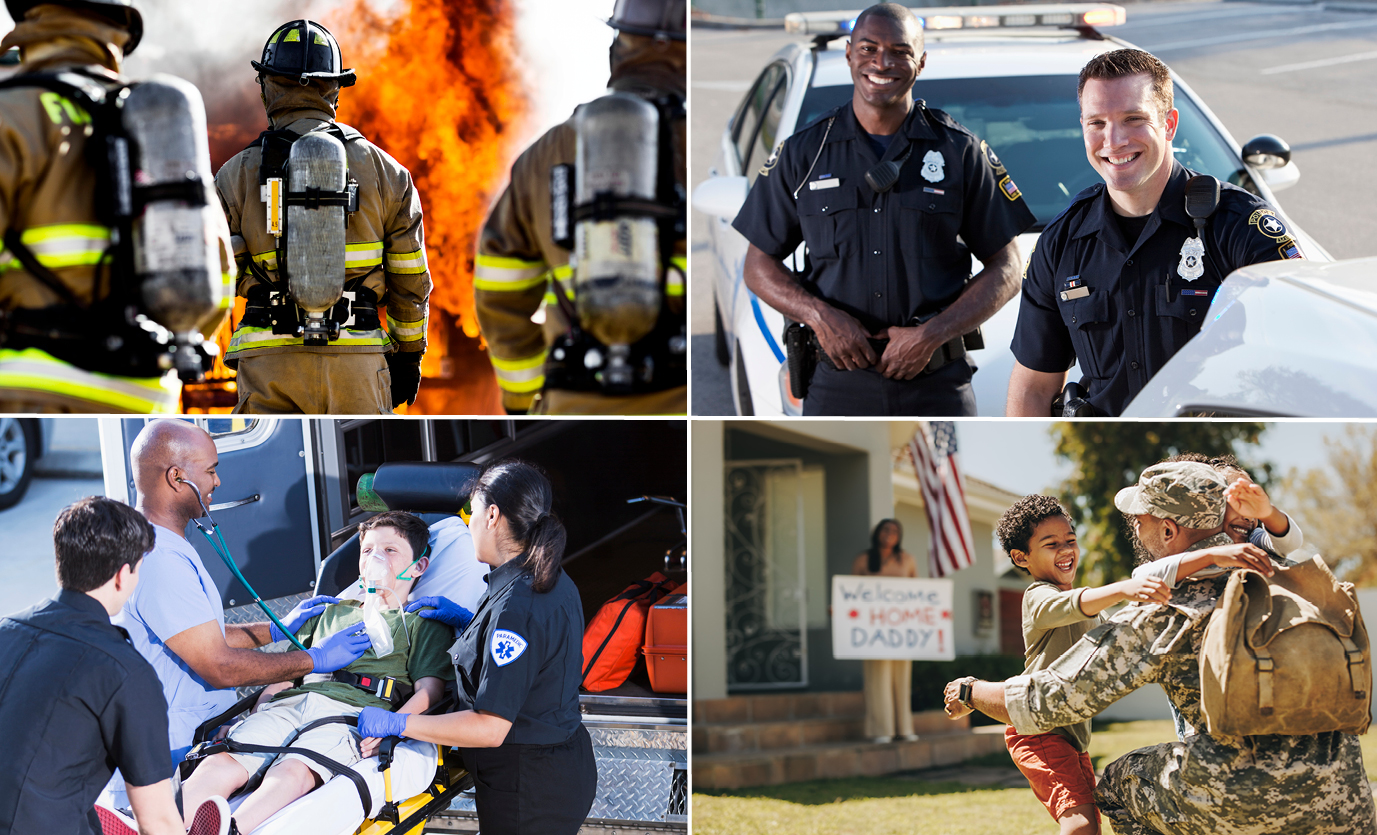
[[521, 656], [77, 701], [884, 257], [1139, 310]]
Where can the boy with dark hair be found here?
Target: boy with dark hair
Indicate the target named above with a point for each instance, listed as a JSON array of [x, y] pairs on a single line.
[[392, 555], [104, 708], [1037, 534]]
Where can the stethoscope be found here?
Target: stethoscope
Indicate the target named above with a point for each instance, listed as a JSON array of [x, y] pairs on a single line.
[[217, 544]]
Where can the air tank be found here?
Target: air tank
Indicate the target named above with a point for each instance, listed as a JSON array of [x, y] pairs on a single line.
[[315, 232]]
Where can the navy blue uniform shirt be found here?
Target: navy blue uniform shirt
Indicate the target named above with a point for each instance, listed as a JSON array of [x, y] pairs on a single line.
[[884, 257], [1123, 309], [77, 701], [521, 657]]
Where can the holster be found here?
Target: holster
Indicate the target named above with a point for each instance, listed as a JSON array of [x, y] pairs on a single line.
[[801, 351], [1072, 403]]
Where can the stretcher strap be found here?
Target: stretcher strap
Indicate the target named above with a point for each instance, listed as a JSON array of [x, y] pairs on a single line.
[[337, 768]]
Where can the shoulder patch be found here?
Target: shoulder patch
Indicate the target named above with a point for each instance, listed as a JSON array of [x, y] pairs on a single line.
[[993, 159], [1009, 188], [772, 161], [1269, 224], [506, 646]]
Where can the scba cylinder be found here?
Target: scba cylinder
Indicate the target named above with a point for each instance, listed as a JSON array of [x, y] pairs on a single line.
[[315, 231], [177, 245], [617, 259]]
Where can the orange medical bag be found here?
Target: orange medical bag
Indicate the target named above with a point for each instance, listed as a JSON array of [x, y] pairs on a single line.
[[617, 632]]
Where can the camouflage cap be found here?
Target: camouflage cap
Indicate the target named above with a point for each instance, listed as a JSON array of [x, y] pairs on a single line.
[[1186, 492]]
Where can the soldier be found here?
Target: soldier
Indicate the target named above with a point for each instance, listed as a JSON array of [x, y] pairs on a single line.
[[1205, 784], [286, 361], [76, 332], [520, 263]]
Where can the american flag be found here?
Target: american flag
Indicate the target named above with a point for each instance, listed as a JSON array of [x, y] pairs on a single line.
[[933, 450]]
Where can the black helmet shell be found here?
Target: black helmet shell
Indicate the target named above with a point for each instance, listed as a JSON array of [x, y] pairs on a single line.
[[654, 18], [304, 50], [120, 12]]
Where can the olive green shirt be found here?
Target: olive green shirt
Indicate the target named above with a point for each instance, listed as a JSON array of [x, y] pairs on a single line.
[[419, 651], [1052, 623]]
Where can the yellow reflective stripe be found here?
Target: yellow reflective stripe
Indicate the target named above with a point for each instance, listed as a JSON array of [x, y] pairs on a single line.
[[520, 376], [268, 260], [363, 255], [38, 371], [226, 289], [507, 275], [565, 274], [294, 36], [246, 338], [406, 331], [407, 263], [674, 279], [62, 245]]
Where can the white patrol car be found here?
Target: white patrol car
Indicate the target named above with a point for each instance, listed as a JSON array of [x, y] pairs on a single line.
[[1008, 73]]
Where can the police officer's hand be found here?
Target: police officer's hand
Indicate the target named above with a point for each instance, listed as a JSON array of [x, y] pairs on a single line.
[[442, 609], [406, 376], [843, 339], [907, 354], [304, 611], [340, 649]]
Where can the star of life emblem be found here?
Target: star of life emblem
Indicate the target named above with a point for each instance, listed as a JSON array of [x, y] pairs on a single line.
[[506, 646], [933, 167], [1192, 264]]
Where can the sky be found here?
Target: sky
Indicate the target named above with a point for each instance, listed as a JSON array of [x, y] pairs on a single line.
[[1017, 455]]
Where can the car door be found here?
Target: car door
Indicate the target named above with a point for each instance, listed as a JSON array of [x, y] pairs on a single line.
[[265, 506]]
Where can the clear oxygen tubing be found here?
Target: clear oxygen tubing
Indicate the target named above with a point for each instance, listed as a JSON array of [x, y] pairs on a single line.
[[222, 550]]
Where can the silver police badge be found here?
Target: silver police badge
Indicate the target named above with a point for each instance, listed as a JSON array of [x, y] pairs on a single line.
[[933, 165], [1192, 264]]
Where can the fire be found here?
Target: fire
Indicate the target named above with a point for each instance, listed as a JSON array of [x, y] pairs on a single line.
[[437, 91]]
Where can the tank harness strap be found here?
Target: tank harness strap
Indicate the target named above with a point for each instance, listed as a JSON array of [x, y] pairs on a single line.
[[14, 243]]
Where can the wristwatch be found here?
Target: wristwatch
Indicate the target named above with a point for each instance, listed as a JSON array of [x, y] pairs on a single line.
[[963, 694]]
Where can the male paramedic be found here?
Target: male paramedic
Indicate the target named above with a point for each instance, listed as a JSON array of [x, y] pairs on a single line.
[[176, 619]]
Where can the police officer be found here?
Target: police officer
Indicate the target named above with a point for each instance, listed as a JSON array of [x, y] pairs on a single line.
[[518, 665], [1122, 278], [365, 370], [887, 293], [519, 264], [69, 341]]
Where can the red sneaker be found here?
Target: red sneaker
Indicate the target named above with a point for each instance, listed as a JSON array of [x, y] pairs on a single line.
[[212, 818], [113, 823]]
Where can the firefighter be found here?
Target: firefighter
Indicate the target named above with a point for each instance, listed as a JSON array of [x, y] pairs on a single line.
[[520, 264], [311, 340], [75, 332]]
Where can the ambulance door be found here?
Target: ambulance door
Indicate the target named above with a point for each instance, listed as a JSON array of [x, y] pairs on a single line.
[[265, 506]]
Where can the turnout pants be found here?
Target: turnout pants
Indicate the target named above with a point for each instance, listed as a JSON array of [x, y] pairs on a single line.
[[534, 789], [562, 402], [303, 382]]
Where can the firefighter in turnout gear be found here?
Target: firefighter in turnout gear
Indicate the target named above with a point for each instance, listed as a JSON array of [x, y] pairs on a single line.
[[76, 331], [524, 260], [319, 258]]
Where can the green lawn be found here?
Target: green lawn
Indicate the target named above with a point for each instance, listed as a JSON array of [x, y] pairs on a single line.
[[903, 806]]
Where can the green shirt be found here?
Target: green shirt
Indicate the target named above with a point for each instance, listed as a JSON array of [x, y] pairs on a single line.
[[423, 654], [1052, 623]]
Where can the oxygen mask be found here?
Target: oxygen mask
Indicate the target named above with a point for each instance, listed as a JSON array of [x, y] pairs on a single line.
[[376, 598]]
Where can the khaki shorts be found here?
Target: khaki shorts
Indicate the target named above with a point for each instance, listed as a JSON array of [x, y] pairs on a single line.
[[277, 721]]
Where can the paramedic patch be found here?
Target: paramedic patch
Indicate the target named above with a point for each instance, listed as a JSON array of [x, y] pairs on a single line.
[[1268, 224], [506, 647]]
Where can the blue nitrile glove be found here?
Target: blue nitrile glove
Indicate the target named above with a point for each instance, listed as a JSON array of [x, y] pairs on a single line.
[[379, 723], [446, 611], [340, 649], [304, 611]]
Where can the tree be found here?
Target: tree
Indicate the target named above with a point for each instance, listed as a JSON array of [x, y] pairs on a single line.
[[1338, 516], [1109, 457]]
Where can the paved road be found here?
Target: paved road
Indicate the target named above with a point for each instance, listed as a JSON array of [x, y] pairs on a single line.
[[1297, 71]]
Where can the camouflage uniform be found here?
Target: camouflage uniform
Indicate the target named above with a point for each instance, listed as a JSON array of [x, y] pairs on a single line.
[[1206, 785]]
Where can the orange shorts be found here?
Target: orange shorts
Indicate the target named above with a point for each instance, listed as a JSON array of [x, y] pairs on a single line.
[[1061, 777]]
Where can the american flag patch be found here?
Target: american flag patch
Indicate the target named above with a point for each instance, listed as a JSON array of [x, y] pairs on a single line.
[[1195, 292], [1010, 189], [934, 190], [1290, 250]]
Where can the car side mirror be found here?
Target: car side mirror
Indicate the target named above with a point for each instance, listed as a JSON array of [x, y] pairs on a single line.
[[1266, 151], [721, 196]]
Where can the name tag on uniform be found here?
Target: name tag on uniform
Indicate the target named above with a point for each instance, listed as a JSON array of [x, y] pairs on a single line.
[[1075, 293], [818, 185]]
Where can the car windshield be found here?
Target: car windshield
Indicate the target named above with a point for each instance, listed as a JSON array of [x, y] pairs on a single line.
[[1033, 123]]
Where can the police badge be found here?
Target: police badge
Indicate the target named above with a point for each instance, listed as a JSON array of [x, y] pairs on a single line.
[[933, 165], [1192, 264]]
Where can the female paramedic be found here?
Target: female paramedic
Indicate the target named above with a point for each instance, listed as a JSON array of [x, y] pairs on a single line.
[[518, 667]]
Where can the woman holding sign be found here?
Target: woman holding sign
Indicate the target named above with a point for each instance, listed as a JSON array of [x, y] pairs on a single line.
[[888, 709]]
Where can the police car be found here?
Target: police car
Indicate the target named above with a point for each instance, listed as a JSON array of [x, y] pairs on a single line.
[[1008, 73]]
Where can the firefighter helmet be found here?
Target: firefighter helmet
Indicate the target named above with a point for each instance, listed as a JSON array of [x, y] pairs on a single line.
[[656, 18], [304, 50], [119, 12]]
